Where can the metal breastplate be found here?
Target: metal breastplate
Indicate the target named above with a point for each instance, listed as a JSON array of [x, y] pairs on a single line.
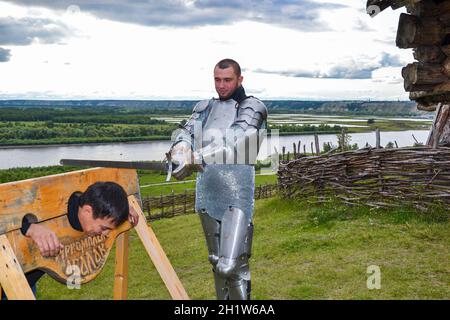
[[221, 117]]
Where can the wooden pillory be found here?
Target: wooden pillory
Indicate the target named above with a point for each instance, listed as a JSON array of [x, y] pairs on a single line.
[[46, 199]]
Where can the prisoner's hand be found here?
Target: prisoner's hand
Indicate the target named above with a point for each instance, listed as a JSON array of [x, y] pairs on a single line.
[[133, 217], [45, 239]]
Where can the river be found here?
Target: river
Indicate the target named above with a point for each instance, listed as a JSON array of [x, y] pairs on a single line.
[[154, 150]]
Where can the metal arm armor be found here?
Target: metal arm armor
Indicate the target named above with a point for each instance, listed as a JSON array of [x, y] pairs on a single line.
[[185, 132], [251, 113]]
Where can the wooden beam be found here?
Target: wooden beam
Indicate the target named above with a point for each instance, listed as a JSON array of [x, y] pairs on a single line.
[[396, 4], [414, 32], [157, 254], [317, 144], [121, 270], [446, 49], [423, 76], [440, 93], [377, 138], [424, 8], [440, 131], [426, 107], [12, 278], [429, 54], [443, 7], [446, 67], [444, 19]]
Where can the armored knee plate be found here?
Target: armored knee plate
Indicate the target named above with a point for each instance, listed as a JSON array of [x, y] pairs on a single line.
[[236, 236], [211, 229]]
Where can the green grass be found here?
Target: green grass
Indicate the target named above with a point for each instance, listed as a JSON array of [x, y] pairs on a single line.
[[17, 174], [300, 251]]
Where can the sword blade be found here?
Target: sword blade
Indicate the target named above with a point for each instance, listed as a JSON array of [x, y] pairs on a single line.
[[159, 166]]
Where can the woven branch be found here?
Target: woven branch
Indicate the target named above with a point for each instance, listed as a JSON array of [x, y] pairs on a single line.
[[418, 176]]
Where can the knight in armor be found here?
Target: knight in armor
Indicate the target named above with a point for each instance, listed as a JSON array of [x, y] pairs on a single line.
[[221, 141]]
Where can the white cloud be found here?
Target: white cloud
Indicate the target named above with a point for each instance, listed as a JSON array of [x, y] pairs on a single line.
[[107, 59]]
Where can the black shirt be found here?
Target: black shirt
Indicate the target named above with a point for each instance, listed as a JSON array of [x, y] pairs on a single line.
[[239, 94]]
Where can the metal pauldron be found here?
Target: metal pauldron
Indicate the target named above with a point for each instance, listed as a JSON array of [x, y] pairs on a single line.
[[251, 112]]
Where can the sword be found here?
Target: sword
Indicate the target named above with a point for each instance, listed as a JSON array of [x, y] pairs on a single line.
[[166, 166]]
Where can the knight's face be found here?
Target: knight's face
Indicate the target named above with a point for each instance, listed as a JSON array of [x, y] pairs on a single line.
[[226, 82]]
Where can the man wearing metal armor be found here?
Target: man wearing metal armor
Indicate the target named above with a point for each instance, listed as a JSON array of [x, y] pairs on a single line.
[[221, 140]]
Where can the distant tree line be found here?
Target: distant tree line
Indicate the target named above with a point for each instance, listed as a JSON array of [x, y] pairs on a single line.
[[74, 115], [50, 130]]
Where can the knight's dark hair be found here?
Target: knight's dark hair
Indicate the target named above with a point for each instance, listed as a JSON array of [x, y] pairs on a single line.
[[108, 200], [226, 63]]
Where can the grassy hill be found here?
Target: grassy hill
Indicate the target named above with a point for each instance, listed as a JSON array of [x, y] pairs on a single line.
[[300, 251]]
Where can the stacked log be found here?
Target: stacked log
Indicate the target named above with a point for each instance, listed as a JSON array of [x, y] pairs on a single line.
[[426, 28]]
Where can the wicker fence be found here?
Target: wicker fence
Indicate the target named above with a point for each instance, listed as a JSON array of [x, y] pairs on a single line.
[[418, 176], [172, 205]]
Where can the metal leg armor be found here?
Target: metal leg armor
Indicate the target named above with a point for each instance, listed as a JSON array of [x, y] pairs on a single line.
[[229, 246], [211, 229]]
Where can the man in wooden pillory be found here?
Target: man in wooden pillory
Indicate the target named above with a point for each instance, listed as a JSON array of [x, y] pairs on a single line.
[[223, 137], [100, 209]]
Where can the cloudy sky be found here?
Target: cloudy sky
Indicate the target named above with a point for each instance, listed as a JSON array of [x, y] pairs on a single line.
[[150, 49]]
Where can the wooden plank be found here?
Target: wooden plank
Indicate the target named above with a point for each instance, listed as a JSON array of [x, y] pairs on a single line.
[[12, 277], [121, 271], [157, 254], [47, 197]]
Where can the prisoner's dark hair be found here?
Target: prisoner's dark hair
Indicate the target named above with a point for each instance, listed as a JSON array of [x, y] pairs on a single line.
[[108, 200], [226, 63]]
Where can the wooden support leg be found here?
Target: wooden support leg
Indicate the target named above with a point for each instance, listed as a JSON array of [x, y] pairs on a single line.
[[440, 131], [12, 277], [121, 273], [157, 254]]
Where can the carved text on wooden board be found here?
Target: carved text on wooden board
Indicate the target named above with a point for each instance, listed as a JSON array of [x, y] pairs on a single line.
[[88, 254]]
